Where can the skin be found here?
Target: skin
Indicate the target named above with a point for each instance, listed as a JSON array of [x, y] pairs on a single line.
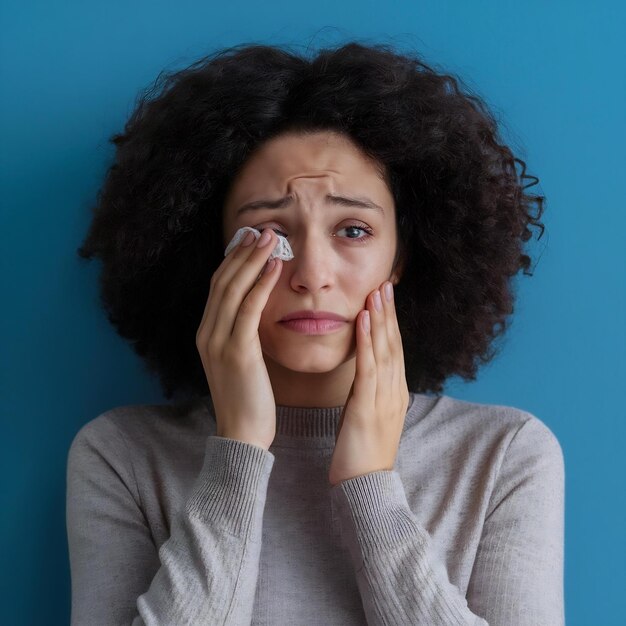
[[340, 267]]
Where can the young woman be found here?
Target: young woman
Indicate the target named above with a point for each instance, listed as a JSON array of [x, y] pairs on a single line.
[[310, 470]]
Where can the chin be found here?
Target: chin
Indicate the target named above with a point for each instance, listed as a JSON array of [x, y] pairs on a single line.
[[311, 359]]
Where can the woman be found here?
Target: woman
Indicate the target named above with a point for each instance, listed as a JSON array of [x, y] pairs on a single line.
[[312, 472]]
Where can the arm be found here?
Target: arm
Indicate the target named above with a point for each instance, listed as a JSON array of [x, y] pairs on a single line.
[[206, 572], [518, 571]]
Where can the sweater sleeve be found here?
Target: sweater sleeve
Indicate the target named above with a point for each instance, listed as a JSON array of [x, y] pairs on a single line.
[[206, 572], [517, 578]]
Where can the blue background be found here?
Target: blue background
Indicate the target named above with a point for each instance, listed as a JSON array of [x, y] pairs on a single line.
[[554, 75]]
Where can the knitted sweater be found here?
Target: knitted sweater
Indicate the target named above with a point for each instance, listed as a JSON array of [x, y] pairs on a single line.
[[170, 524]]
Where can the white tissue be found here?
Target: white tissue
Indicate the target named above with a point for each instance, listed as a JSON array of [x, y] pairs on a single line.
[[282, 250]]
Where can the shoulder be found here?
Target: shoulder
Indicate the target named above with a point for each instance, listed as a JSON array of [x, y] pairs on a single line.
[[115, 432], [519, 427], [493, 430], [505, 452]]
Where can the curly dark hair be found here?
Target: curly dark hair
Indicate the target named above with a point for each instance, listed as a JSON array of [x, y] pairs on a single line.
[[462, 211]]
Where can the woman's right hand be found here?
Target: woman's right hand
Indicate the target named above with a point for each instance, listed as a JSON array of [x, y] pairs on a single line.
[[229, 346]]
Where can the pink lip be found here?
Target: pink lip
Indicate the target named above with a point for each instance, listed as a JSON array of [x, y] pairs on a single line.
[[309, 322], [313, 315], [308, 326]]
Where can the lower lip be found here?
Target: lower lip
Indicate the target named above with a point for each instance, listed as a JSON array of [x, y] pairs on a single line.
[[310, 326]]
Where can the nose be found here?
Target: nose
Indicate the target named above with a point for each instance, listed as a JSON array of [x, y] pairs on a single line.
[[313, 266]]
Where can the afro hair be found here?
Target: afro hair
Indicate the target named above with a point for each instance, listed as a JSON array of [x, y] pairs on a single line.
[[462, 209]]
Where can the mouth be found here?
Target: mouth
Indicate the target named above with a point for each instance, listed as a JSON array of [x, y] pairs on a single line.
[[313, 322], [313, 315], [313, 326]]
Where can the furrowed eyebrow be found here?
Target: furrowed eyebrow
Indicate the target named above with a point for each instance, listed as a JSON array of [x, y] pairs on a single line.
[[281, 203]]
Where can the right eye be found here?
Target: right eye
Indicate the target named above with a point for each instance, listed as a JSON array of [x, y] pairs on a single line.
[[276, 230]]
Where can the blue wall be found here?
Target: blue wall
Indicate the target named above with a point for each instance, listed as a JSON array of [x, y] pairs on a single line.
[[70, 71]]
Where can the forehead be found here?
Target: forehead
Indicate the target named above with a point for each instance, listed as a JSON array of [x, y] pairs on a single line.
[[283, 165]]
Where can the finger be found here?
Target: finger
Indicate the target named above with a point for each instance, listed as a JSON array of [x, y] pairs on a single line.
[[242, 278], [365, 380], [248, 318], [222, 276], [393, 333], [391, 321], [240, 258], [242, 253], [226, 272], [380, 340]]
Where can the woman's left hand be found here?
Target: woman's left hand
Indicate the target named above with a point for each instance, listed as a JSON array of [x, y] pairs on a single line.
[[369, 430]]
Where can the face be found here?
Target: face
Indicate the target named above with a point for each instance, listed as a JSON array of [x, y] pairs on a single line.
[[341, 252]]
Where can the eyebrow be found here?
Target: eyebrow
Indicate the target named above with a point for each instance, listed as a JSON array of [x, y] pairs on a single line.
[[281, 203]]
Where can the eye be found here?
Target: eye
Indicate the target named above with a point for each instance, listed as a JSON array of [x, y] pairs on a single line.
[[355, 227], [274, 228], [357, 231]]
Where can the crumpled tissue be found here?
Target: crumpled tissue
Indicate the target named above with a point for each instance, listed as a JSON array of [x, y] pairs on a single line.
[[282, 250]]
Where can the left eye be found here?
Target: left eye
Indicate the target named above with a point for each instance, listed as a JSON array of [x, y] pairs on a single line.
[[354, 227]]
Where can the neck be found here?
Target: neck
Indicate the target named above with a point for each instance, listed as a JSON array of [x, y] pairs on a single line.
[[306, 389]]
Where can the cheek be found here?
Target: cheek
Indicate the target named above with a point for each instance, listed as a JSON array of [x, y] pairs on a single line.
[[366, 274], [274, 307], [269, 316]]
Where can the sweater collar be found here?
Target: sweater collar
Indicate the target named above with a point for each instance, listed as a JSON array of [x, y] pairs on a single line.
[[315, 427]]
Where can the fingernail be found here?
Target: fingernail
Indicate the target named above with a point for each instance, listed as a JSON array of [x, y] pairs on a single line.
[[248, 239], [378, 303], [366, 321], [264, 239], [389, 292]]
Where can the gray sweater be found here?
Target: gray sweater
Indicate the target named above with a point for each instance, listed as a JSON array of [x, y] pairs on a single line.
[[170, 524]]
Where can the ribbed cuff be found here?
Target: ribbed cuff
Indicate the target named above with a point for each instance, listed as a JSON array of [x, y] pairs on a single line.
[[376, 509], [233, 478]]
